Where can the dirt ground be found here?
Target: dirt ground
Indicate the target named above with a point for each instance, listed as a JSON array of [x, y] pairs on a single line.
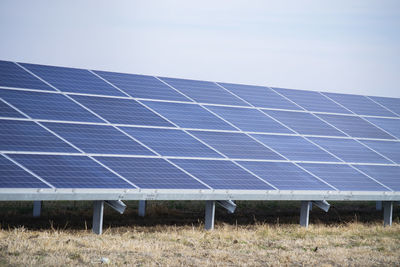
[[171, 234]]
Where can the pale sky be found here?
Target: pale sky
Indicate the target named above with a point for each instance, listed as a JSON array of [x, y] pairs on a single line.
[[335, 46]]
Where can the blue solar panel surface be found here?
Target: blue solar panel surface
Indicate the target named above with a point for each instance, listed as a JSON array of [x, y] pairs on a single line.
[[71, 171], [260, 96], [29, 136], [142, 86], [222, 174], [12, 176], [98, 139], [47, 106], [236, 145], [151, 173], [73, 80], [285, 175], [12, 75], [204, 92], [250, 120], [171, 142], [146, 149]]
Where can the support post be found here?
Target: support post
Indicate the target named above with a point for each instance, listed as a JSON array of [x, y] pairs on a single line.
[[210, 214], [310, 203], [378, 205], [387, 213], [142, 208], [304, 213], [98, 209], [37, 207]]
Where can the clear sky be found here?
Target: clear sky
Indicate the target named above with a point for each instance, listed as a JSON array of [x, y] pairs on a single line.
[[337, 46]]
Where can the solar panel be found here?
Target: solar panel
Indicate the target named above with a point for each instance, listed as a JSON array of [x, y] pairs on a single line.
[[393, 104], [151, 173], [236, 145], [29, 136], [71, 171], [304, 123], [98, 139], [7, 111], [12, 176], [312, 101], [122, 111], [73, 80], [350, 150], [188, 115], [391, 126], [204, 92], [249, 119], [142, 86], [141, 137], [387, 175], [285, 175], [171, 142], [343, 177], [359, 104], [222, 174], [12, 75], [295, 148], [355, 126], [386, 148], [47, 106], [260, 96]]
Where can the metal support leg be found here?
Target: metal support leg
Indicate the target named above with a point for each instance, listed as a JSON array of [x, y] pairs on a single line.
[[387, 213], [37, 207], [304, 213], [210, 214], [379, 205], [310, 205], [142, 208], [98, 209]]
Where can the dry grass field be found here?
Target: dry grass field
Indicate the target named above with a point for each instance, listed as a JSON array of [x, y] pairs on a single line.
[[171, 234]]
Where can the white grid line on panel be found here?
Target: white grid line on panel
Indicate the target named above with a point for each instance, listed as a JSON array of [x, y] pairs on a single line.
[[27, 170], [360, 171], [195, 103], [376, 102]]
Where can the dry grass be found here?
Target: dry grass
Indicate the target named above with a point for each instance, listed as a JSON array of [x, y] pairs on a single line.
[[157, 240]]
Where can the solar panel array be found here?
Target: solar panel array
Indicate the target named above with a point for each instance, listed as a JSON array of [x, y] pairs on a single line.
[[73, 128]]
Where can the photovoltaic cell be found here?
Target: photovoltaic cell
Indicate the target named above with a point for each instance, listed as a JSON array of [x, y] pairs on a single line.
[[391, 126], [28, 136], [12, 75], [391, 103], [236, 145], [360, 104], [151, 173], [295, 148], [285, 175], [355, 126], [387, 148], [304, 123], [222, 174], [343, 177], [71, 171], [98, 139], [121, 111], [188, 115], [349, 150], [260, 96], [7, 111], [204, 92], [250, 120], [48, 106], [73, 80], [387, 175], [142, 86], [12, 176], [171, 142], [312, 101]]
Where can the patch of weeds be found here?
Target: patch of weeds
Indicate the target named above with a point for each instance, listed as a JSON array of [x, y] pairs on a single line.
[[75, 256]]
